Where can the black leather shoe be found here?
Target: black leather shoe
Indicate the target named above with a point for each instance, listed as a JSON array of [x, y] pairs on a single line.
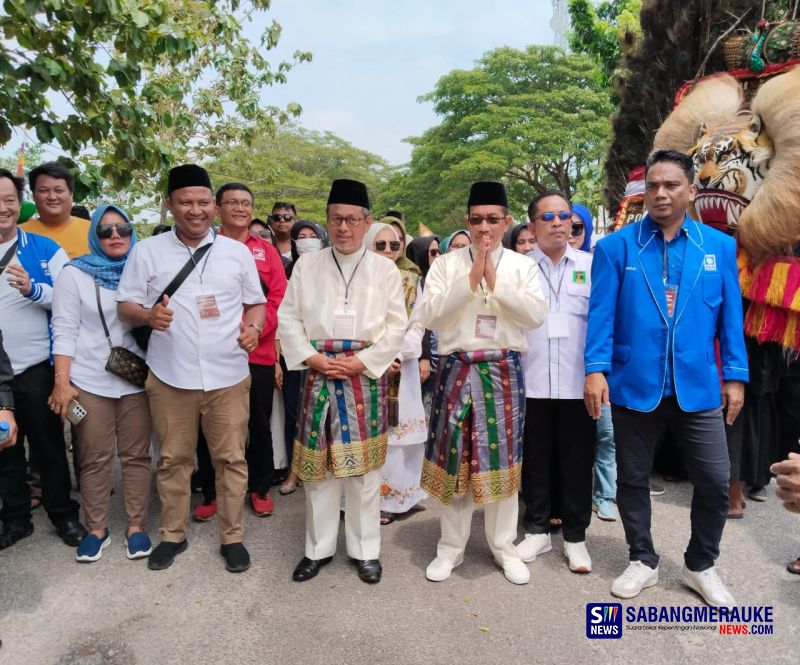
[[72, 532], [164, 555], [237, 559], [308, 568], [369, 571], [14, 531]]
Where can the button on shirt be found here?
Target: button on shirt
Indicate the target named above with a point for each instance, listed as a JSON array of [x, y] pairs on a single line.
[[194, 353], [554, 366]]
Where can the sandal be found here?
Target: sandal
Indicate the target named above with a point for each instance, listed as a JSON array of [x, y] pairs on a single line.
[[387, 518], [794, 566], [289, 487]]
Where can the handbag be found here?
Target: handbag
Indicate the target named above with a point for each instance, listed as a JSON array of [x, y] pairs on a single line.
[[142, 333], [121, 362]]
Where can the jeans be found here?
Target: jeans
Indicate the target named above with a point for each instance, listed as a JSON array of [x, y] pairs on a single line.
[[605, 465]]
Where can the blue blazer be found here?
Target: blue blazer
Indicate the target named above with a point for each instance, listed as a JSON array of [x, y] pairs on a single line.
[[627, 336]]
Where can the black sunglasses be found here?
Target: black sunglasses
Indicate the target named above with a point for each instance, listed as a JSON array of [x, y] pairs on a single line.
[[380, 245], [577, 229], [285, 217], [107, 230], [434, 252]]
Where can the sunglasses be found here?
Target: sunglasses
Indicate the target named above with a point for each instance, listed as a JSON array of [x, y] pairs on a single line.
[[266, 233], [285, 217], [107, 230], [434, 252], [564, 216], [394, 245], [577, 229]]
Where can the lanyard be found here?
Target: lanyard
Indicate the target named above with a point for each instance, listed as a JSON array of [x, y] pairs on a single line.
[[497, 265], [347, 282], [546, 274], [665, 264], [191, 255]]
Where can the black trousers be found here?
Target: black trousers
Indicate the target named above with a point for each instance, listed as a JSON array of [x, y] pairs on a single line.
[[292, 384], [701, 437], [260, 460], [559, 429], [45, 434]]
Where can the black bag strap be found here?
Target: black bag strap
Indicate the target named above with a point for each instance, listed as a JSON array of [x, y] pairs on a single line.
[[8, 256], [264, 286], [180, 278], [102, 316]]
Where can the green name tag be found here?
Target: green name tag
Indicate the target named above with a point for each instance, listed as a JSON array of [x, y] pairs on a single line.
[[579, 277]]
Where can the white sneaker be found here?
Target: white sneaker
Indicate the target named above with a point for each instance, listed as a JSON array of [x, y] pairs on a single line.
[[636, 577], [578, 556], [516, 572], [709, 586], [440, 569], [533, 545]]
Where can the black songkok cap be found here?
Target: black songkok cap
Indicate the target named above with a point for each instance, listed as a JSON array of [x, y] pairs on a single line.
[[487, 193], [187, 175], [350, 192]]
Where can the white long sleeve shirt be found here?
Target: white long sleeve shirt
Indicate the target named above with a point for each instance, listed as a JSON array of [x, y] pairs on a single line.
[[78, 333], [451, 309], [316, 293]]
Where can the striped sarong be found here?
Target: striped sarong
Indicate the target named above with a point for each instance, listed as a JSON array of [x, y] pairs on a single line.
[[476, 424], [342, 427]]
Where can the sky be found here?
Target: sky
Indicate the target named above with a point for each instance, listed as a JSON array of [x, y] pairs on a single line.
[[372, 59]]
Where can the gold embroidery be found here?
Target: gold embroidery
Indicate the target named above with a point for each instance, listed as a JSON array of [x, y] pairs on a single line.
[[343, 460]]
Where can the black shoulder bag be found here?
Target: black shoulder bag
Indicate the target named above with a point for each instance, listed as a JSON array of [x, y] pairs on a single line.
[[142, 333], [121, 362], [8, 256]]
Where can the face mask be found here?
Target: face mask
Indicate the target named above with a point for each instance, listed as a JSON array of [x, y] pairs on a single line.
[[305, 245]]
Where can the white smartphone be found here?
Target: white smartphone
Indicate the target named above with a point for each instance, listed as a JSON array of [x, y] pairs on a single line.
[[75, 412]]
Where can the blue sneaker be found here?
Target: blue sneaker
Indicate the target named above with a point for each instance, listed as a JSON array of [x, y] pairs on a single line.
[[138, 544], [91, 548], [605, 509]]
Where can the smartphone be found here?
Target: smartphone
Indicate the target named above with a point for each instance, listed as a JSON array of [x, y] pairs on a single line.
[[75, 412]]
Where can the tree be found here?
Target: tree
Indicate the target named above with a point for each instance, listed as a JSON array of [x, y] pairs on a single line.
[[298, 166], [534, 118], [147, 84]]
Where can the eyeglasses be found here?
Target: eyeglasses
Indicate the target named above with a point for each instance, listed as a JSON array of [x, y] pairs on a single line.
[[107, 230], [243, 203], [337, 220], [285, 217], [563, 216], [380, 245], [474, 220], [434, 252], [577, 229]]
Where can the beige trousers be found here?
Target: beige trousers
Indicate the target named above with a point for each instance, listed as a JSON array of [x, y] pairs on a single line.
[[114, 425], [500, 523], [223, 415], [362, 515]]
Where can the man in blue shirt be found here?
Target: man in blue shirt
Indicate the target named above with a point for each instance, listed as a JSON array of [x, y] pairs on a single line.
[[665, 291]]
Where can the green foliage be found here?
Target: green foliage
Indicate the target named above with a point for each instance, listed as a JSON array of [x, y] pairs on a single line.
[[534, 118], [298, 166], [149, 83]]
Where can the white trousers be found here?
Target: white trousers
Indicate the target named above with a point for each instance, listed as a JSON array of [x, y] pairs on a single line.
[[500, 521], [362, 515]]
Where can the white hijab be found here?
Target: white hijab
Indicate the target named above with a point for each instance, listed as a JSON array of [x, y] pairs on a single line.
[[374, 229]]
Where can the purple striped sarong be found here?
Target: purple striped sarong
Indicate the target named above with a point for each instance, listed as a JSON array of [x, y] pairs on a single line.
[[475, 434], [342, 427]]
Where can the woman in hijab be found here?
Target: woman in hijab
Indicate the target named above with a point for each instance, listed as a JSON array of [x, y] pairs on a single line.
[[519, 238], [400, 490], [402, 262], [581, 234], [117, 413], [422, 251], [456, 240]]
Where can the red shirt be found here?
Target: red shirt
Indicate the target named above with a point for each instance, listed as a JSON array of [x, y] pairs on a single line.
[[272, 275]]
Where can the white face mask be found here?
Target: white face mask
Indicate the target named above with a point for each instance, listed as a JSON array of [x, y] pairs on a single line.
[[305, 245]]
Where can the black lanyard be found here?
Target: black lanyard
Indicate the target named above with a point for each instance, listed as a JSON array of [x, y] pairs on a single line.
[[191, 255], [347, 282]]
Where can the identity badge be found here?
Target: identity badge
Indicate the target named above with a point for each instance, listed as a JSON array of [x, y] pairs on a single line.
[[207, 305], [710, 262], [671, 292], [557, 325], [485, 326], [344, 324]]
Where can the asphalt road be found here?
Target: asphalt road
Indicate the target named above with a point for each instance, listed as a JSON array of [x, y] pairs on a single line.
[[54, 610]]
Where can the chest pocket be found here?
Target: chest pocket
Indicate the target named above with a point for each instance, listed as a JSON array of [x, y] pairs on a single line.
[[578, 300], [712, 290]]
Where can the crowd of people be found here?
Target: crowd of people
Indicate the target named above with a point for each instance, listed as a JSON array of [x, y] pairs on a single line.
[[374, 369]]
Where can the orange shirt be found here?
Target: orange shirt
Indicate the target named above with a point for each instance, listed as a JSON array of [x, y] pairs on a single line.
[[73, 237]]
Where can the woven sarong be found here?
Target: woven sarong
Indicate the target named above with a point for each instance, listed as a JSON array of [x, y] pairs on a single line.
[[342, 426], [475, 435]]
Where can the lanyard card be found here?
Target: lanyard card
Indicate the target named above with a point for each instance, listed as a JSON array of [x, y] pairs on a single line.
[[671, 292], [557, 325], [344, 323], [207, 305], [485, 326]]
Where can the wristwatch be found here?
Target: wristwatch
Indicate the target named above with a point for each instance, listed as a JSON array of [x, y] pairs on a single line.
[[259, 328]]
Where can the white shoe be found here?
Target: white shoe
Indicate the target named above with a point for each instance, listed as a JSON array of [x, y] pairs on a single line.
[[578, 556], [709, 586], [533, 545], [439, 569], [515, 571], [636, 577]]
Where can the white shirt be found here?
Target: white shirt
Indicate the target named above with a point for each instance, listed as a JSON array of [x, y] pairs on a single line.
[[25, 325], [451, 309], [554, 366], [78, 333], [194, 353], [317, 290]]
